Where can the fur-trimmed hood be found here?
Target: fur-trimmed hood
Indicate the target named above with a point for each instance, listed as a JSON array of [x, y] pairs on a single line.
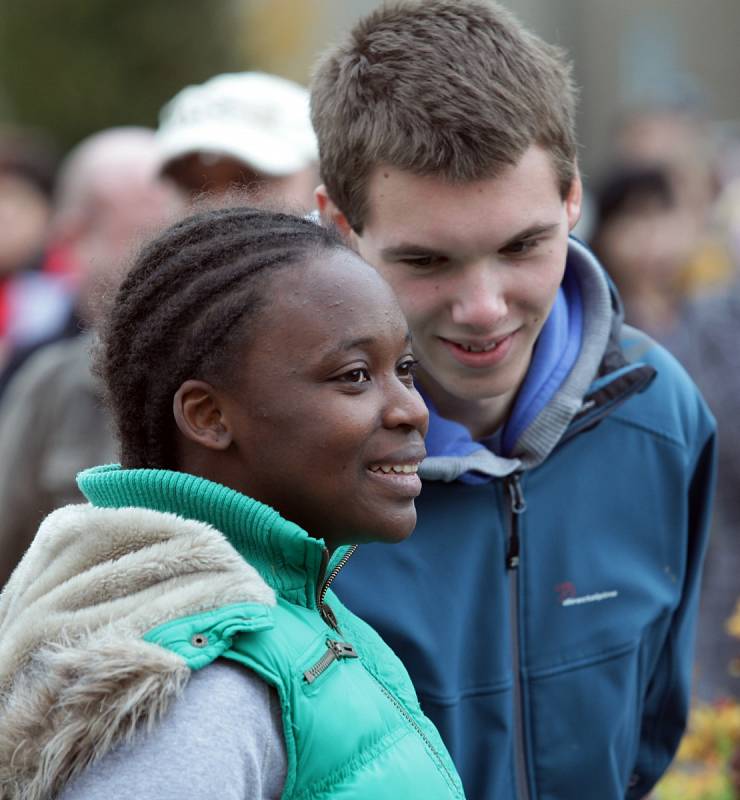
[[76, 678]]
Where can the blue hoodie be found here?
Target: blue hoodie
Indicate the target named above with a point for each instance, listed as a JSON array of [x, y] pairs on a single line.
[[545, 604]]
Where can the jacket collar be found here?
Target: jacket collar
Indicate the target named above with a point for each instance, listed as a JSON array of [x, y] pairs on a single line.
[[259, 533], [565, 388]]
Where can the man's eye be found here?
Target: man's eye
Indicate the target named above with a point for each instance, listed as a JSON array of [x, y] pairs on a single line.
[[422, 261], [521, 248], [359, 375]]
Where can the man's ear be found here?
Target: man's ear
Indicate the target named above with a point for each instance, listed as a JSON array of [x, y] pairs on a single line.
[[330, 213], [199, 417], [574, 200]]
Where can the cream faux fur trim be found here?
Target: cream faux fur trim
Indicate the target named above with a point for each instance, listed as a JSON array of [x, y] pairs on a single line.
[[76, 679]]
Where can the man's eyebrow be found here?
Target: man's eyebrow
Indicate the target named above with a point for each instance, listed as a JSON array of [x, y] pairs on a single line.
[[410, 249], [406, 249], [537, 229]]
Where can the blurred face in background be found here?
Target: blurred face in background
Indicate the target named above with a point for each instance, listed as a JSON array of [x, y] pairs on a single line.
[[644, 235], [210, 180], [648, 243], [127, 209], [24, 220], [679, 143], [109, 201]]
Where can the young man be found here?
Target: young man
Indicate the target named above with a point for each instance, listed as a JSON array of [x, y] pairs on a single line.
[[545, 604]]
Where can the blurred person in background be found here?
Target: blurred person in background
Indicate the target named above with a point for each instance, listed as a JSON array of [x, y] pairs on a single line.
[[31, 304], [52, 423], [107, 188], [676, 137], [241, 136], [644, 238], [708, 348], [679, 275]]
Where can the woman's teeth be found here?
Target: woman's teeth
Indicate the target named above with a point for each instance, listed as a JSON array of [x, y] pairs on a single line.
[[398, 469]]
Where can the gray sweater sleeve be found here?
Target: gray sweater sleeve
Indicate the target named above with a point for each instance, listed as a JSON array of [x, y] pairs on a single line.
[[222, 739]]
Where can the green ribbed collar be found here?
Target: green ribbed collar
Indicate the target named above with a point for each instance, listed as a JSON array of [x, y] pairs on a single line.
[[289, 560]]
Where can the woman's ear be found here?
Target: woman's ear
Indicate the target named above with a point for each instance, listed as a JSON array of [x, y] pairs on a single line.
[[199, 416]]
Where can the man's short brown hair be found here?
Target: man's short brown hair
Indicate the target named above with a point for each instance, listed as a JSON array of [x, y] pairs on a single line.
[[455, 88]]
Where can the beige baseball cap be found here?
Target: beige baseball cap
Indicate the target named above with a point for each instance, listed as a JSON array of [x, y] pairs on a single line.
[[260, 119]]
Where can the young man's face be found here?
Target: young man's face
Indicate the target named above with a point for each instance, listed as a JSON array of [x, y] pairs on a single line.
[[476, 267]]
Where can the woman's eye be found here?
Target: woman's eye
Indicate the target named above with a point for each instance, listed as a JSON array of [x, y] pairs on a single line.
[[359, 375], [407, 368]]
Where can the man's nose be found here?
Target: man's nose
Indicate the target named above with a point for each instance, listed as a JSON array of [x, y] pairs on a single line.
[[479, 300]]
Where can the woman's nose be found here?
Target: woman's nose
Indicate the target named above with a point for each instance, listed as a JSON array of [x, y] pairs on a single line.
[[406, 409]]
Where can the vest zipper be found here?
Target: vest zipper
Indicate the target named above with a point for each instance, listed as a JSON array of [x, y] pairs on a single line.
[[335, 651], [517, 506], [415, 725], [322, 588]]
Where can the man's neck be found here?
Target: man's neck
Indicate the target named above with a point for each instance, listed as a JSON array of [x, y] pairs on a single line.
[[482, 417]]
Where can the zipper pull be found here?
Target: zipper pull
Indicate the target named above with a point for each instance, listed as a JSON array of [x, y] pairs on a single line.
[[328, 616], [517, 505], [323, 587], [341, 649], [335, 651]]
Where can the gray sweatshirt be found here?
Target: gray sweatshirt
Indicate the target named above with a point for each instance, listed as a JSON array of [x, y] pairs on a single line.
[[222, 739]]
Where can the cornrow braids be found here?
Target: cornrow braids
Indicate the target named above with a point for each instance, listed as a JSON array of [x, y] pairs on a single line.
[[183, 311]]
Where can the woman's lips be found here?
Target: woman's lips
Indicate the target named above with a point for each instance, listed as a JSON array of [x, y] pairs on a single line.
[[401, 479], [484, 354]]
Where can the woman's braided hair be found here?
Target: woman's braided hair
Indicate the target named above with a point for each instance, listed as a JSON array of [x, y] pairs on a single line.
[[183, 311]]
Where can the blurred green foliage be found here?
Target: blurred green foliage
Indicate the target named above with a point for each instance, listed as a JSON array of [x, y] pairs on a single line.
[[72, 67]]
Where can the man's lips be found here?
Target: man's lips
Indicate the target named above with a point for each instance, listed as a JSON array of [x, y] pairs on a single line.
[[479, 353]]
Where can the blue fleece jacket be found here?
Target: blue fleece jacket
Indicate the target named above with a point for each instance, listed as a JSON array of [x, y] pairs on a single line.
[[545, 604]]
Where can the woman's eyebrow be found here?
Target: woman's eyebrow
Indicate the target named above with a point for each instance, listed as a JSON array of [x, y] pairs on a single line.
[[350, 344], [363, 341]]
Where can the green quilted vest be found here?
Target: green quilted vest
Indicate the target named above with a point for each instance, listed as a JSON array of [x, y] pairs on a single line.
[[352, 724]]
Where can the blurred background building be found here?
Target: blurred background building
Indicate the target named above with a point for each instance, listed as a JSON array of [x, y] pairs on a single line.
[[75, 66]]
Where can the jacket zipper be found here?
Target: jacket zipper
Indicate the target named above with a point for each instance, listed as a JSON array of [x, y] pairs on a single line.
[[334, 651], [322, 588], [517, 506]]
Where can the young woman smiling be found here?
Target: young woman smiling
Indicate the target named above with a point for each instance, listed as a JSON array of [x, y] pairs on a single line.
[[178, 635]]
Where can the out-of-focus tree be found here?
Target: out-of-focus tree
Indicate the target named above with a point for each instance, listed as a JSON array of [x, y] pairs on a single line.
[[73, 67]]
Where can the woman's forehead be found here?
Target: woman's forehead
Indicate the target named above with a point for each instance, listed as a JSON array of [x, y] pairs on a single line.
[[335, 276], [336, 295]]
